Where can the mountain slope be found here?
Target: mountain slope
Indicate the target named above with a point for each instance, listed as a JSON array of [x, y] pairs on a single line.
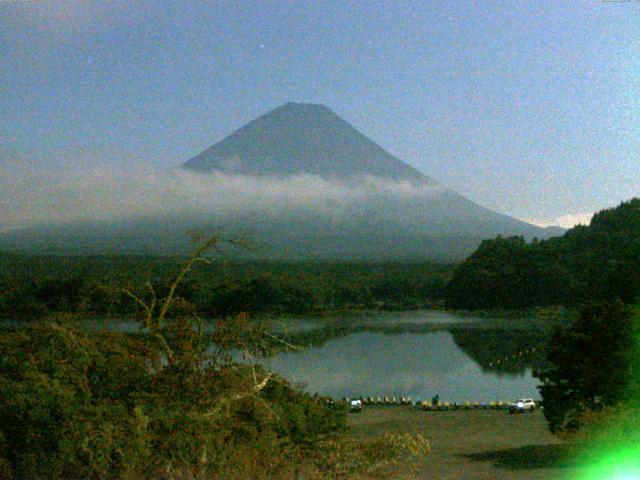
[[311, 139], [302, 139], [318, 189]]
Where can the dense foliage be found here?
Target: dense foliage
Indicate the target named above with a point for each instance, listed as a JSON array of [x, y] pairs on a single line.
[[74, 405], [596, 262], [591, 364], [34, 287], [169, 404]]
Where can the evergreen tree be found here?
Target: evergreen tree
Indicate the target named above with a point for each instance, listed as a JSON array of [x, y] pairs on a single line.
[[596, 262], [591, 364]]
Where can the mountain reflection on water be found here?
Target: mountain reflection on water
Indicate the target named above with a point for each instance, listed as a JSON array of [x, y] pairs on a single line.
[[454, 357], [418, 353]]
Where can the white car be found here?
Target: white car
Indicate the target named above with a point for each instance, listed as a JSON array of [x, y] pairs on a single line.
[[355, 406], [522, 405]]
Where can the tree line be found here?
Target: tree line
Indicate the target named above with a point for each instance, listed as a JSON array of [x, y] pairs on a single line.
[[35, 287], [600, 261], [590, 377], [171, 403]]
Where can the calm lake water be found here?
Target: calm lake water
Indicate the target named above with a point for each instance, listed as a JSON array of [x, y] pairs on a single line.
[[419, 365], [417, 353]]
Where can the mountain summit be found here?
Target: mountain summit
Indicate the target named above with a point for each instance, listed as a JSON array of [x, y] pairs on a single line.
[[302, 138]]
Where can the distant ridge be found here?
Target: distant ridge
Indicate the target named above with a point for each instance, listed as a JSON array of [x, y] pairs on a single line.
[[554, 231]]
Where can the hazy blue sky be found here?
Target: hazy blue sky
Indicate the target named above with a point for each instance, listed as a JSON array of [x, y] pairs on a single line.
[[530, 108]]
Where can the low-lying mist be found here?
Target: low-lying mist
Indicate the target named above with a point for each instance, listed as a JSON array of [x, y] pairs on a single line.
[[39, 195]]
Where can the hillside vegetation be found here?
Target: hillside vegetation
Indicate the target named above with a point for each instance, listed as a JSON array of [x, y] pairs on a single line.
[[596, 262], [171, 403], [33, 287]]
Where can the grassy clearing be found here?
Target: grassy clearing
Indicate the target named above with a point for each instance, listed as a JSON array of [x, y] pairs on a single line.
[[475, 444]]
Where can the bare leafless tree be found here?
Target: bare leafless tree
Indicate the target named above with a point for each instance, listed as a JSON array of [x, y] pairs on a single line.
[[248, 341]]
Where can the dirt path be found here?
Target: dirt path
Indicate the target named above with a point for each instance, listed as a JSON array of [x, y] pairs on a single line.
[[475, 444]]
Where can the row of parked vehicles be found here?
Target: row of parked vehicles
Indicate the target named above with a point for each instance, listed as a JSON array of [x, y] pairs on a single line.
[[519, 406]]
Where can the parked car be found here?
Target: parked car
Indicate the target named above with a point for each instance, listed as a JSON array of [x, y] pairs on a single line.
[[522, 405], [355, 406]]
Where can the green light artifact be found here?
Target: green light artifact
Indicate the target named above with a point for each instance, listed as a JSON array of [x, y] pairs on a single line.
[[615, 464], [612, 452]]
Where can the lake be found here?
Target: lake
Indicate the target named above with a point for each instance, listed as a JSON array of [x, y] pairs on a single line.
[[417, 354]]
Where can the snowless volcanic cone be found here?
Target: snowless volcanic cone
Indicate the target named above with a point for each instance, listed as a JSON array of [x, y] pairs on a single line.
[[299, 179]]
